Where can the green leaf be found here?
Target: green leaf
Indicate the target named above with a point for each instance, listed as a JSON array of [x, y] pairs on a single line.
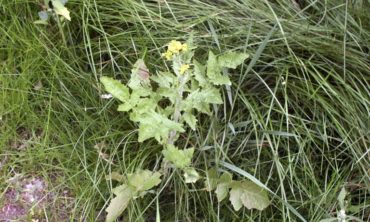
[[190, 120], [145, 105], [156, 125], [170, 93], [226, 177], [199, 74], [189, 103], [211, 179], [164, 79], [191, 175], [115, 176], [137, 102], [168, 111], [125, 107], [260, 184], [118, 204], [142, 92], [180, 158], [176, 64], [232, 59], [248, 194], [212, 95], [143, 180], [235, 194], [341, 197], [223, 186], [60, 9], [201, 98], [140, 77], [221, 191], [116, 88], [188, 55], [214, 71]]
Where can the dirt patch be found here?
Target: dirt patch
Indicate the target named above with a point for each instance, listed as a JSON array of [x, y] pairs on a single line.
[[30, 198], [24, 138]]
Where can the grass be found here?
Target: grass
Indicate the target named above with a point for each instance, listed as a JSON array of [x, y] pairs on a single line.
[[296, 118]]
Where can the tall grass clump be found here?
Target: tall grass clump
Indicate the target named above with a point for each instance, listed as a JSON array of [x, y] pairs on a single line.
[[296, 116]]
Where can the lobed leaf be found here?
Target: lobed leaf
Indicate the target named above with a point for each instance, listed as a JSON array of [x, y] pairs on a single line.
[[201, 98], [191, 175], [190, 120], [140, 77], [223, 186], [199, 74], [155, 125], [180, 158], [235, 194], [59, 9], [116, 88], [248, 194], [164, 79], [143, 180], [214, 71], [119, 203], [232, 59]]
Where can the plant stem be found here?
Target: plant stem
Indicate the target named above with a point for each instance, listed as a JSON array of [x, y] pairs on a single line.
[[61, 30], [177, 112]]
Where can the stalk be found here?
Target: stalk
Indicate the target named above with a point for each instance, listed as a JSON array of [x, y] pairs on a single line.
[[177, 112]]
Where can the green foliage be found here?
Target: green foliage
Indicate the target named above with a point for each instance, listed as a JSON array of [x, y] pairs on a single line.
[[155, 125], [143, 180], [223, 186], [59, 8], [191, 175], [344, 208], [180, 158], [190, 119], [248, 194], [214, 71], [143, 101], [211, 179], [163, 103], [231, 59], [306, 78], [242, 193], [117, 89], [119, 203], [138, 184]]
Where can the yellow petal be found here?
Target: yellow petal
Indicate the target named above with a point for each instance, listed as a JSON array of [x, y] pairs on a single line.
[[174, 46], [185, 47], [184, 68]]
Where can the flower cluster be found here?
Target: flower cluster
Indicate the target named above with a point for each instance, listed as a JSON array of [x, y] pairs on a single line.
[[174, 48]]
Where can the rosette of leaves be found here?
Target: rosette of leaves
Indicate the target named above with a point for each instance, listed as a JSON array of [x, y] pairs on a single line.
[[165, 103], [53, 7]]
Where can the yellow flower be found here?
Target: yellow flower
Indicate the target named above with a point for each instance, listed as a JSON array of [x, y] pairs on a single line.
[[185, 47], [168, 55], [184, 68], [174, 46]]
